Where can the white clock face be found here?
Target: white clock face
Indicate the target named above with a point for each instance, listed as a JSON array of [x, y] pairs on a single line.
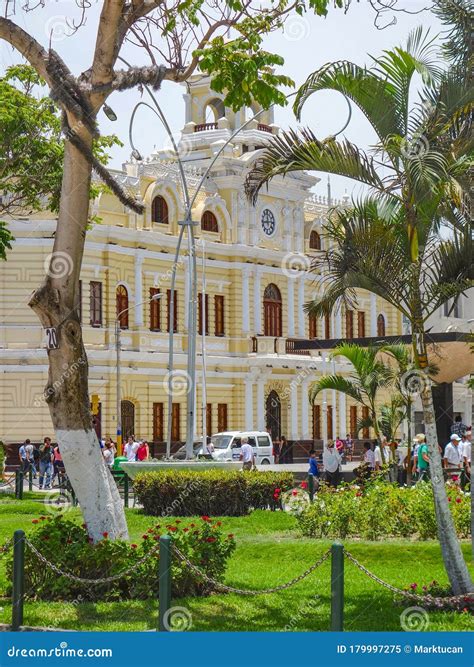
[[268, 222]]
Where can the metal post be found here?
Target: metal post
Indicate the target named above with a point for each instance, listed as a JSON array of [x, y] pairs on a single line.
[[17, 482], [119, 402], [311, 486], [191, 365], [18, 578], [125, 490], [337, 587], [30, 479], [164, 593]]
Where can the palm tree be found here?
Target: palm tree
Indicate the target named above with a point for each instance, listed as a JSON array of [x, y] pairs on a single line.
[[363, 384], [418, 174]]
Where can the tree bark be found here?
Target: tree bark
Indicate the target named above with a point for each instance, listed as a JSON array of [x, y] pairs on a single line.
[[67, 391], [453, 558]]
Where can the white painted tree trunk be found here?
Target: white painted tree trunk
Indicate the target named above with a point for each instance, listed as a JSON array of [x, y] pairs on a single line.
[[453, 558], [67, 392]]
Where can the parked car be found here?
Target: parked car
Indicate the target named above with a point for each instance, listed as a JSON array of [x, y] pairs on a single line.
[[180, 454], [227, 446]]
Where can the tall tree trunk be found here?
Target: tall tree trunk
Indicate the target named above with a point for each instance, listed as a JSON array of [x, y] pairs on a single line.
[[66, 393], [453, 558]]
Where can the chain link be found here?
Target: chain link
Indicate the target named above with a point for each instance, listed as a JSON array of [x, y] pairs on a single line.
[[412, 596], [81, 580], [240, 591]]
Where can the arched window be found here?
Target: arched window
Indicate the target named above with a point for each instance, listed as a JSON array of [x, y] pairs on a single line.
[[272, 308], [209, 222], [121, 300], [214, 110], [159, 210], [380, 325], [315, 240]]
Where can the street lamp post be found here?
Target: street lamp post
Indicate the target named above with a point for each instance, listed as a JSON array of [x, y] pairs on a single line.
[[155, 297]]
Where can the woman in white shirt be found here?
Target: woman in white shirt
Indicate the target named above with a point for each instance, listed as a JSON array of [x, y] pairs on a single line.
[[331, 462]]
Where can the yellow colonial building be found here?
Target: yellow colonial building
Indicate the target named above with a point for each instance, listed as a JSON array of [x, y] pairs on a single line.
[[256, 277]]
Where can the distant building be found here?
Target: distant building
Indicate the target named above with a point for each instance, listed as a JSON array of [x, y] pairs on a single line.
[[257, 283]]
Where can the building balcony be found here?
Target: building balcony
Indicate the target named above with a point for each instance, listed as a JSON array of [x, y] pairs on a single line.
[[270, 345]]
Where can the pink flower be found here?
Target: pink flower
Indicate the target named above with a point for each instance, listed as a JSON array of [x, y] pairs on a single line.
[[413, 586], [294, 493], [304, 485]]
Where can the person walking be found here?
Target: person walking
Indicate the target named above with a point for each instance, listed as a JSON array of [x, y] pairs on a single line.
[[378, 455], [108, 452], [24, 457], [423, 463], [458, 427], [143, 451], [466, 454], [247, 455], [453, 457], [130, 449], [365, 470], [58, 465], [349, 445], [313, 468], [401, 455], [331, 463], [45, 464]]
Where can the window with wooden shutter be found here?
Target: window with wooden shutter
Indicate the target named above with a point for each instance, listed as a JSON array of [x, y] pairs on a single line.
[[79, 301], [155, 310], [353, 421], [159, 210], [380, 325], [222, 417], [327, 327], [365, 415], [158, 422], [201, 314], [209, 222], [121, 301], [219, 323], [316, 422], [349, 324], [209, 419], [175, 419], [272, 310], [168, 311], [95, 303], [361, 324], [329, 418], [313, 326], [315, 240]]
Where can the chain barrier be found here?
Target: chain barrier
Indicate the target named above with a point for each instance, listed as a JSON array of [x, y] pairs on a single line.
[[412, 596], [82, 580], [240, 591]]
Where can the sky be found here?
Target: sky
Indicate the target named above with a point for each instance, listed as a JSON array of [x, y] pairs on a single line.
[[306, 43]]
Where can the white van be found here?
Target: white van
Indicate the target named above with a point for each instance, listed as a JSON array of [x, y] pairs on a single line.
[[227, 446]]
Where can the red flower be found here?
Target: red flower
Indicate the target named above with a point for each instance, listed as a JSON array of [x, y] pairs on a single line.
[[192, 525], [205, 518], [156, 538], [277, 490], [105, 535], [455, 478], [210, 539], [84, 525], [35, 521], [196, 532], [413, 586], [134, 546], [294, 492], [185, 530], [230, 536], [145, 537], [449, 500], [177, 521], [150, 530], [157, 525], [304, 485], [173, 529], [458, 500], [219, 523], [359, 493], [43, 518]]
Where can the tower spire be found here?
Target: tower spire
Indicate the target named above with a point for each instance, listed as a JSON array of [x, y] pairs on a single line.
[[329, 191]]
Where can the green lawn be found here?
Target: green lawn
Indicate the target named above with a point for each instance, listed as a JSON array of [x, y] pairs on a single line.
[[269, 551]]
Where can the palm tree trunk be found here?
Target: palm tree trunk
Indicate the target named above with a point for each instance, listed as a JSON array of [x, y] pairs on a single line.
[[453, 558]]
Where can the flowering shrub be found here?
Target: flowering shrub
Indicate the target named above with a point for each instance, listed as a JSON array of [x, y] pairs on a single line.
[[381, 510], [67, 545], [210, 492], [295, 501], [438, 597]]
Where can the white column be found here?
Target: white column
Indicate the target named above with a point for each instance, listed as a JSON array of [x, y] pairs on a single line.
[[138, 292], [257, 303], [291, 306], [305, 432], [245, 302], [188, 114], [342, 416], [324, 407], [261, 404], [373, 315], [334, 415], [301, 317], [338, 322], [294, 411], [249, 404]]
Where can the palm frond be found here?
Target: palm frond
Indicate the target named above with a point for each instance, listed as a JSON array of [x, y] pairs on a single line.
[[335, 383], [458, 45], [292, 151]]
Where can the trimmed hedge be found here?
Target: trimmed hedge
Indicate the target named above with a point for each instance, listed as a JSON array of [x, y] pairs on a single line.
[[210, 492]]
